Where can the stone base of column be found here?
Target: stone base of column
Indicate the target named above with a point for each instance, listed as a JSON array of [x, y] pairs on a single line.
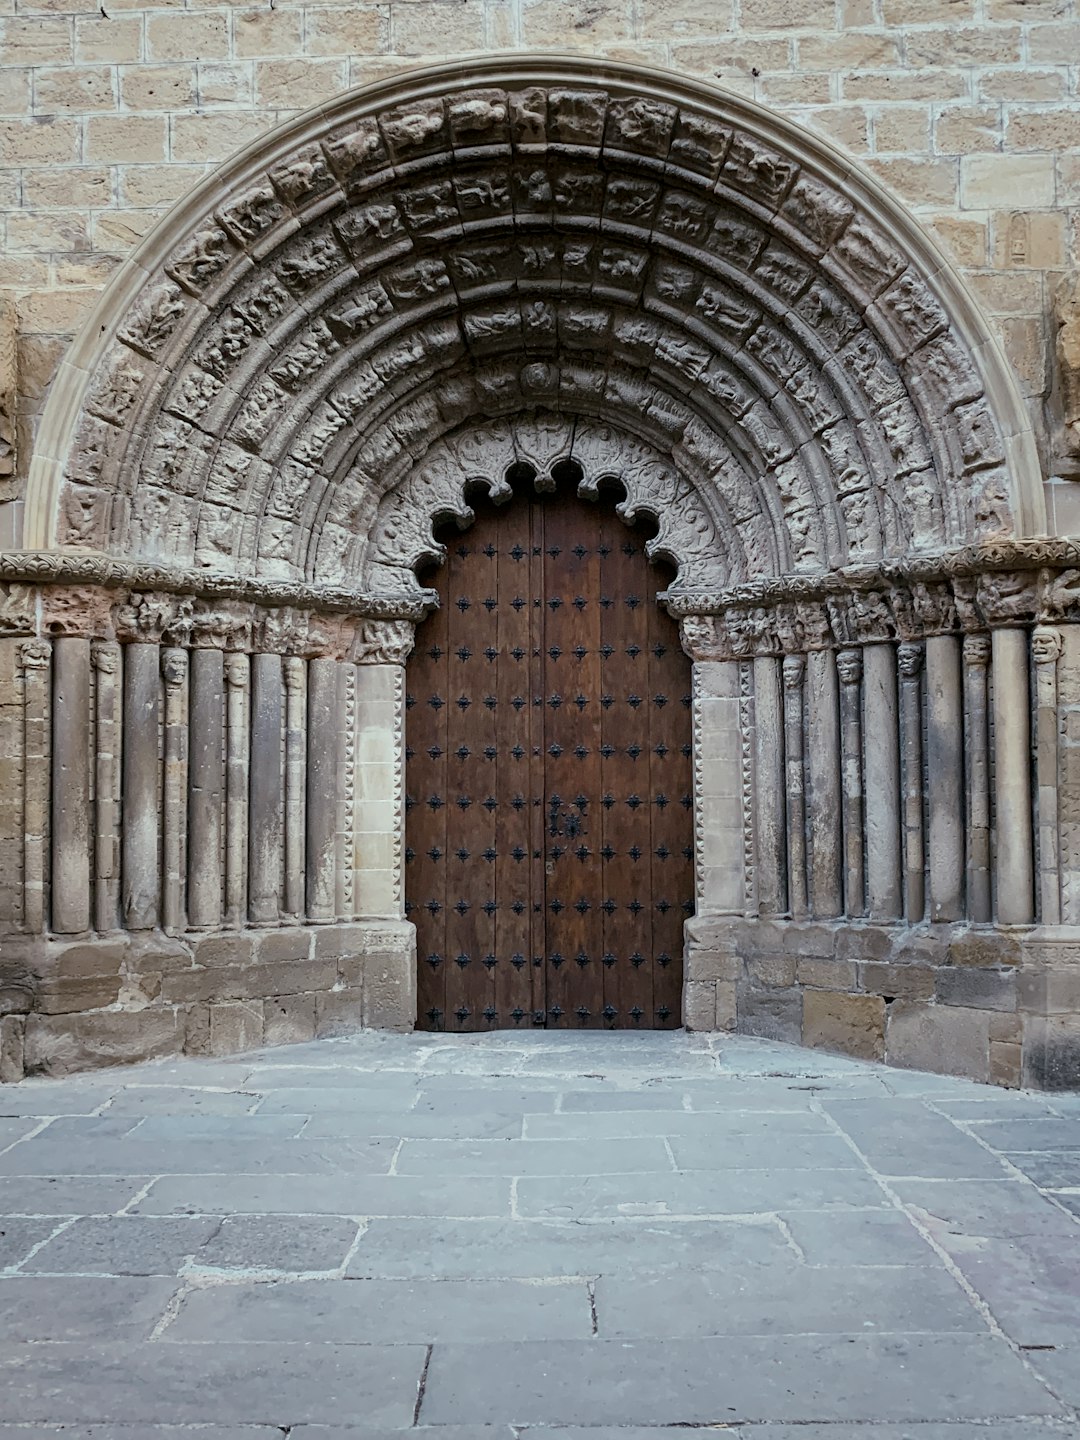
[[70, 1005], [989, 1003]]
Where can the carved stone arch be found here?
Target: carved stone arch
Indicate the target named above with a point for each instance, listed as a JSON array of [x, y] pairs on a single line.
[[533, 235], [402, 536]]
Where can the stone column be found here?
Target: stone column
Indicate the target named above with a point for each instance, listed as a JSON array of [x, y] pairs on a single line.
[[174, 668], [140, 833], [295, 715], [105, 658], [322, 777], [71, 786], [35, 659], [718, 801], [881, 726], [346, 790], [1046, 647], [206, 783], [945, 776], [237, 679], [1012, 778], [793, 671], [977, 745], [910, 661], [849, 669], [823, 733], [267, 800], [769, 786]]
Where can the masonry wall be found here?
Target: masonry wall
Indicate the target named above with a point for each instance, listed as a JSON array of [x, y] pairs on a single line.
[[968, 109]]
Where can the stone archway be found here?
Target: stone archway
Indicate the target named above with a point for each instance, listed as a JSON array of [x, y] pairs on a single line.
[[394, 297]]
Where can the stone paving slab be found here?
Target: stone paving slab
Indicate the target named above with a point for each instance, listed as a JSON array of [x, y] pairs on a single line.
[[898, 1377], [588, 1236]]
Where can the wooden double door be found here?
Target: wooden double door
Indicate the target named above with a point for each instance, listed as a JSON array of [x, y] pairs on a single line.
[[549, 803]]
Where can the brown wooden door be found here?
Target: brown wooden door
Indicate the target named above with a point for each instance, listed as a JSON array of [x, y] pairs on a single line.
[[549, 811]]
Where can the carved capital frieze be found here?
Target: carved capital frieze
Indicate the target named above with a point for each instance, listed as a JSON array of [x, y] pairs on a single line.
[[383, 642], [35, 655], [977, 650]]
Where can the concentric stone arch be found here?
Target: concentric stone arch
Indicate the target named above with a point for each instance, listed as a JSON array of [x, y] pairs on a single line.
[[609, 244]]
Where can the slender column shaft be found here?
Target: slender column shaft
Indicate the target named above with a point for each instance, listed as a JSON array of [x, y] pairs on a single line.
[[140, 835], [35, 657], [267, 789], [1012, 778], [794, 668], [346, 789], [174, 666], [322, 774], [295, 708], [910, 661], [106, 659], [206, 784], [977, 743], [945, 775], [882, 729], [769, 786], [849, 670], [719, 820], [237, 679], [823, 730], [71, 786], [1046, 647], [379, 811]]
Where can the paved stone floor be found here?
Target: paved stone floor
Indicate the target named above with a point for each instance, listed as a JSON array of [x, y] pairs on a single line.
[[585, 1236]]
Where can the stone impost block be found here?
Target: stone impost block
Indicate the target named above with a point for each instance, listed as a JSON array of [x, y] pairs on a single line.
[[898, 982], [944, 1038], [60, 1044], [340, 1012], [702, 964], [339, 942], [231, 948], [12, 1063], [235, 1026], [840, 975], [852, 1024], [984, 948], [699, 1005], [291, 944], [775, 971], [771, 1014], [288, 1019], [981, 989]]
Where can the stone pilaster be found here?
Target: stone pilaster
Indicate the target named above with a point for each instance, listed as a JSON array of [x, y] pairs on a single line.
[[945, 776], [910, 663], [769, 786], [140, 832], [295, 746], [1046, 648], [346, 790], [794, 770], [238, 681], [71, 825], [849, 668], [206, 789], [1012, 778], [881, 725], [35, 660], [322, 779], [267, 795], [106, 660], [977, 771], [174, 668], [823, 731]]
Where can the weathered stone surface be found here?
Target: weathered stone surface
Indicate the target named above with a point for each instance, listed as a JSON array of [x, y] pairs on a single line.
[[948, 1039], [852, 1024]]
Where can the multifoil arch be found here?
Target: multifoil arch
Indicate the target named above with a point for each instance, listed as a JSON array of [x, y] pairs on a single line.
[[611, 245]]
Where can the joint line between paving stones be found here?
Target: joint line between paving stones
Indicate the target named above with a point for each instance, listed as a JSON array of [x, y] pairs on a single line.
[[394, 1158], [172, 1309], [65, 1224], [670, 1154], [140, 1195], [1016, 1173], [30, 1134], [422, 1386], [979, 1305]]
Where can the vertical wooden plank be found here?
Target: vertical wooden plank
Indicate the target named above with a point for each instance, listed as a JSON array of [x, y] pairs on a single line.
[[572, 737], [426, 809]]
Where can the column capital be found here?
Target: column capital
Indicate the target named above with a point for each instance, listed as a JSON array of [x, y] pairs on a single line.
[[294, 669], [174, 667], [35, 654], [909, 659], [237, 670], [849, 666], [977, 649], [794, 667], [1046, 645], [105, 656], [383, 642]]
